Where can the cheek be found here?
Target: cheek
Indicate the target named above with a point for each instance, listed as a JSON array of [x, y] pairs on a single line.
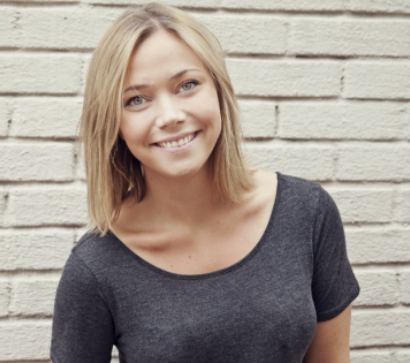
[[131, 130]]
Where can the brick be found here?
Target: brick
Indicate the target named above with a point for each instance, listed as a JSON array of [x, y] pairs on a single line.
[[402, 206], [402, 357], [34, 250], [4, 298], [207, 4], [260, 33], [405, 287], [86, 60], [4, 117], [294, 78], [363, 205], [34, 161], [33, 297], [73, 28], [314, 163], [47, 1], [54, 206], [48, 117], [350, 37], [80, 167], [334, 120], [4, 197], [258, 118], [25, 340], [376, 79], [9, 32], [374, 162], [377, 288], [387, 6], [368, 356], [383, 327], [39, 73], [287, 5], [367, 245]]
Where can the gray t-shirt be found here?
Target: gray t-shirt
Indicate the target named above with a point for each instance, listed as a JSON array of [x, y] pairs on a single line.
[[263, 308]]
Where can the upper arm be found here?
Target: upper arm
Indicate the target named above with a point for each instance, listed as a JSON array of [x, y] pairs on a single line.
[[331, 340], [83, 329]]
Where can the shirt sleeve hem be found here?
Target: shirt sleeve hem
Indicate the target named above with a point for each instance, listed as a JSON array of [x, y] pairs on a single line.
[[336, 311]]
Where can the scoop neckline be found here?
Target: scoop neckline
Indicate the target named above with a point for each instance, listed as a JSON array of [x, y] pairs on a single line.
[[211, 274]]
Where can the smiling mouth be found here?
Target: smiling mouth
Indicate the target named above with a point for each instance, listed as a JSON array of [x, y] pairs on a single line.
[[177, 143]]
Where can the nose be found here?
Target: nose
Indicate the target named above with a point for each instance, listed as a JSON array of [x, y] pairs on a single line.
[[169, 114]]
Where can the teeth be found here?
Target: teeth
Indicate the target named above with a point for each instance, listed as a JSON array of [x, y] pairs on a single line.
[[177, 143]]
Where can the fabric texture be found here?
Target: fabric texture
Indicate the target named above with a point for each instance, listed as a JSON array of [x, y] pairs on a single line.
[[263, 308]]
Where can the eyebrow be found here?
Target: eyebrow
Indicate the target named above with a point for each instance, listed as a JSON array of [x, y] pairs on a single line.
[[175, 76]]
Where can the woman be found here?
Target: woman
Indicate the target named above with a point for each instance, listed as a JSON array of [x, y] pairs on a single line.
[[192, 256]]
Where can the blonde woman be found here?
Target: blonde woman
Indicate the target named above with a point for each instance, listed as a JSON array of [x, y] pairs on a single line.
[[192, 257]]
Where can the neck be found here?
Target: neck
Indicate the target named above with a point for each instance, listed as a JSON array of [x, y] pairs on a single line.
[[188, 198]]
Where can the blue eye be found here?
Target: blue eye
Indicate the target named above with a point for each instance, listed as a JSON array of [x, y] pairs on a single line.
[[187, 86], [135, 101]]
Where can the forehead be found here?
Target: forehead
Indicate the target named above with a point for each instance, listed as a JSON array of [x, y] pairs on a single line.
[[162, 54]]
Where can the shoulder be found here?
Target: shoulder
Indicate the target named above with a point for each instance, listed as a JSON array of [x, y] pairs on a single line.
[[301, 198], [97, 252], [304, 190]]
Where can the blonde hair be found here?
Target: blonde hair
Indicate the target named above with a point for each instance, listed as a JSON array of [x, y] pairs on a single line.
[[112, 172]]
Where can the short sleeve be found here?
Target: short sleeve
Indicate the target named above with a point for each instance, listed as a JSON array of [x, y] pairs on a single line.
[[334, 285], [83, 329]]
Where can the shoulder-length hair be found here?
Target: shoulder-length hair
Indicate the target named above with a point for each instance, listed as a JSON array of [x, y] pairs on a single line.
[[112, 172]]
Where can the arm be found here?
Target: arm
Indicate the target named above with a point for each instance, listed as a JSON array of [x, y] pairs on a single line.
[[83, 328], [331, 340]]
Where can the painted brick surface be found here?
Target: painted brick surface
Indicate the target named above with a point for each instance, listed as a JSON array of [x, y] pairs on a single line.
[[378, 245], [30, 340], [51, 117], [361, 205], [350, 37], [33, 161], [287, 5], [309, 162], [35, 249], [371, 357], [294, 78], [258, 118], [4, 298], [405, 287], [4, 117], [39, 73], [382, 6], [8, 34], [207, 4], [378, 288], [380, 327], [265, 34], [352, 120], [46, 207], [403, 357], [402, 211], [374, 162], [85, 26], [381, 80], [324, 90], [30, 298]]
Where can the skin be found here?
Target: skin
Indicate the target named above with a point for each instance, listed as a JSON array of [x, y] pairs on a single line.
[[181, 226]]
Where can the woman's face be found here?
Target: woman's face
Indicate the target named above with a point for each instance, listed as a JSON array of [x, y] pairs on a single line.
[[170, 118]]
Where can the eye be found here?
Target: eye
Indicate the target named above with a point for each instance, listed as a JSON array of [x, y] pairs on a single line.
[[135, 101], [187, 86]]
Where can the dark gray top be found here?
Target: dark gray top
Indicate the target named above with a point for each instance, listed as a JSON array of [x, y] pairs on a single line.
[[263, 308]]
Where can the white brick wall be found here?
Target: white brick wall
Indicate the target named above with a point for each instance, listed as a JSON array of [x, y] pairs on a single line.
[[324, 87]]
